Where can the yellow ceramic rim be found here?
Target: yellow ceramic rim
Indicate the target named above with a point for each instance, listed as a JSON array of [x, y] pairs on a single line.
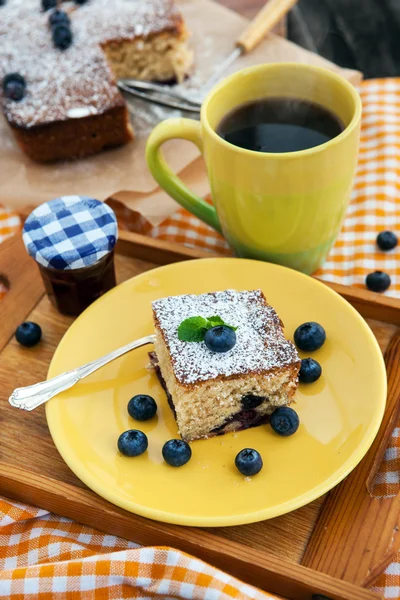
[[284, 155], [220, 521]]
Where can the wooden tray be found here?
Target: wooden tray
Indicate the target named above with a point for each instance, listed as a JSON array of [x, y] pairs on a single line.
[[334, 547]]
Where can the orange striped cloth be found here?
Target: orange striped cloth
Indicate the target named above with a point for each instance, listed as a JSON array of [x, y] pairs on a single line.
[[42, 555], [45, 557], [374, 207]]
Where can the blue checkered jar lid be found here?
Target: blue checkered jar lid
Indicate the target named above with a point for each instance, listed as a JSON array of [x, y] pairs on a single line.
[[70, 232]]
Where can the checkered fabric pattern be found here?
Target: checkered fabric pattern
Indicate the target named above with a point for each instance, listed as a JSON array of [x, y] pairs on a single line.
[[70, 232], [36, 545], [374, 207], [44, 557], [9, 224]]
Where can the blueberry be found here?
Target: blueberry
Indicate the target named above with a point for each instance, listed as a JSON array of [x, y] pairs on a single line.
[[251, 401], [80, 1], [3, 2], [15, 91], [310, 370], [14, 86], [249, 462], [284, 421], [13, 77], [132, 442], [62, 36], [142, 407], [176, 453], [28, 334], [377, 281], [387, 240], [220, 338], [47, 4], [58, 17], [309, 336]]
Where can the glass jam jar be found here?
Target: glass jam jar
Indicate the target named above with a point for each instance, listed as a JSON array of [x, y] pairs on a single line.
[[72, 240]]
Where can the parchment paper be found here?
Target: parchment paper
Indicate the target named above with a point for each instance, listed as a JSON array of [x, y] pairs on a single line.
[[122, 173]]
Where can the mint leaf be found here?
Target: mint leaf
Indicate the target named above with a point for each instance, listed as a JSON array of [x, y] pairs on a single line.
[[192, 329], [217, 321], [214, 322]]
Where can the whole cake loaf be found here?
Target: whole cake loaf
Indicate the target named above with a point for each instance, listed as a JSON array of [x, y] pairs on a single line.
[[59, 64], [215, 392]]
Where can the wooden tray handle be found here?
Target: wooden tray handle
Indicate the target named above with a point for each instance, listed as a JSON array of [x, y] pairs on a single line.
[[24, 283], [356, 535], [256, 567]]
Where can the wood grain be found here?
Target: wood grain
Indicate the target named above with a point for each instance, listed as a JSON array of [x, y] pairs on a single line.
[[369, 304], [356, 534], [253, 566], [40, 476], [25, 287], [284, 537], [159, 252]]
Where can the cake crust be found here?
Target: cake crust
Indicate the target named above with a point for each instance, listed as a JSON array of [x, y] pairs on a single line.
[[69, 92], [261, 346], [214, 393]]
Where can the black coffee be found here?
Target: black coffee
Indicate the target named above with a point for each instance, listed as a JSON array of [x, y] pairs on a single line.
[[279, 125]]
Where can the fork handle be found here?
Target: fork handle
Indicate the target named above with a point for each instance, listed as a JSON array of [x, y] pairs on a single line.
[[271, 13], [32, 396]]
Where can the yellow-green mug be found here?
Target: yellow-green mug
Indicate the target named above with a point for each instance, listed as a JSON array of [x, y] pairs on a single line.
[[285, 208]]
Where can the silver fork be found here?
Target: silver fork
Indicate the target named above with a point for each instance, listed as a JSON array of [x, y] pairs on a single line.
[[32, 396]]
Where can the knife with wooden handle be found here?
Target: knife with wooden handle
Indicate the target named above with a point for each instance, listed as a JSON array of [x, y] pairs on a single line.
[[271, 13]]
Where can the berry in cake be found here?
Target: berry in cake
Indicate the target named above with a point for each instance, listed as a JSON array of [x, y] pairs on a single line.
[[387, 240], [58, 17], [72, 106], [14, 86], [378, 281], [132, 442], [142, 407], [310, 370], [214, 392], [176, 453], [309, 336], [62, 36], [28, 334], [249, 462], [47, 4], [285, 421]]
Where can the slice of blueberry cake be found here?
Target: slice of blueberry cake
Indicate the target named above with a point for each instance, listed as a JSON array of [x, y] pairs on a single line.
[[228, 377]]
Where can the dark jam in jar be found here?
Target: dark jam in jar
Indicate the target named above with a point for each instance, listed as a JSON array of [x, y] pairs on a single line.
[[72, 240], [74, 290]]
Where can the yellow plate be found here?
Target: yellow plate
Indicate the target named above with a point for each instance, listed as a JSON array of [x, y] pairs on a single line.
[[340, 414]]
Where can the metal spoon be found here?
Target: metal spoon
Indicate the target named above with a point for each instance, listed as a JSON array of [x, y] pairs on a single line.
[[32, 396]]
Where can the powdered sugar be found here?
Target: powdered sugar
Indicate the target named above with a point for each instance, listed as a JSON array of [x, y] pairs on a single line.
[[260, 347], [59, 82]]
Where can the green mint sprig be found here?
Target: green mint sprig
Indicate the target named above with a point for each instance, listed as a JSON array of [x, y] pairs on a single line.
[[194, 329]]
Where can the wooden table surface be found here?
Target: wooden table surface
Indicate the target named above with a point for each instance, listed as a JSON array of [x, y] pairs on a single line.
[[249, 8]]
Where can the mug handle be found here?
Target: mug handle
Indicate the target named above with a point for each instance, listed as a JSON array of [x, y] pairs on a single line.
[[186, 129]]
